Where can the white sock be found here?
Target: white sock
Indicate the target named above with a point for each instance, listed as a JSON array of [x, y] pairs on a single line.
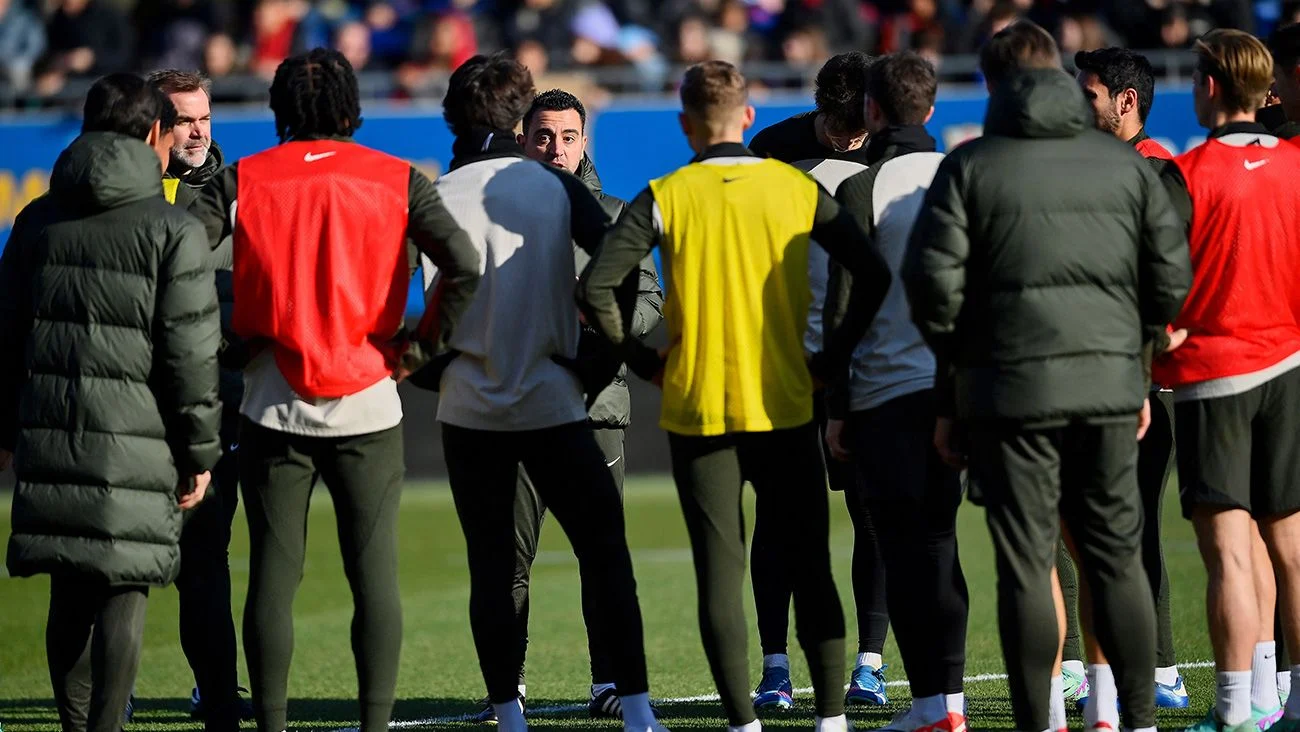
[[1263, 677], [1103, 697], [874, 660], [1075, 667], [523, 690], [930, 709], [1056, 710], [636, 711], [1167, 675], [595, 689], [832, 724], [1232, 697], [1284, 684], [776, 660], [1141, 729], [754, 726], [510, 717], [1293, 700], [956, 703]]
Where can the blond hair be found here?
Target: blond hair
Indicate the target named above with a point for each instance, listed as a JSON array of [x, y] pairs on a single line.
[[1240, 63], [712, 91]]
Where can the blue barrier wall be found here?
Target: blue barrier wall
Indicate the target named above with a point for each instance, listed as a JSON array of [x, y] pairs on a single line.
[[631, 143]]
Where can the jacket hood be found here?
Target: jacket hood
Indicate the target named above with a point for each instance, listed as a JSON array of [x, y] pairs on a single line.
[[105, 170], [1039, 103], [202, 175], [587, 173]]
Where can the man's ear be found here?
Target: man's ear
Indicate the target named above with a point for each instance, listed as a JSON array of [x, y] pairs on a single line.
[[749, 116], [928, 115], [684, 120], [520, 139], [585, 140], [155, 132], [1128, 101]]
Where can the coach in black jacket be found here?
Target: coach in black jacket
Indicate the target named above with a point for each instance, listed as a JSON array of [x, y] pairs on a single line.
[[1044, 255]]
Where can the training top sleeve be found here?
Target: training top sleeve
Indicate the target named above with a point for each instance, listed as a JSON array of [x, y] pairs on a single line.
[[855, 197], [614, 263], [847, 244], [215, 205], [432, 229]]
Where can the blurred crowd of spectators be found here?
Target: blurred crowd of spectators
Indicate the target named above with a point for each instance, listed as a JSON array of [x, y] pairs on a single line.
[[44, 43]]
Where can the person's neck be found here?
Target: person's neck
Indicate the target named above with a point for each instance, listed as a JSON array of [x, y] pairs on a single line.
[[1221, 118], [1129, 128], [704, 142]]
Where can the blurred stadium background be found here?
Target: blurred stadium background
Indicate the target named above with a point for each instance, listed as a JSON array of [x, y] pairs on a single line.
[[622, 57]]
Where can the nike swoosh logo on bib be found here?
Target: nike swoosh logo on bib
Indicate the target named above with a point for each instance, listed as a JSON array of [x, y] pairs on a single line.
[[313, 157]]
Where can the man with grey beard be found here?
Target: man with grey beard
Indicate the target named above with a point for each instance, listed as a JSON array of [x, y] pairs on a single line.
[[207, 623]]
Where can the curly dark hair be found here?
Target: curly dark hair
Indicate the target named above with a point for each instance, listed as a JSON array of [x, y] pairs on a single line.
[[1119, 69], [555, 100], [840, 86], [488, 91], [315, 94]]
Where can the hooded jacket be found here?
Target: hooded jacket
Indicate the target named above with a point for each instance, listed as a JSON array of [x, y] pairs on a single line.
[[1044, 255], [613, 406], [108, 367]]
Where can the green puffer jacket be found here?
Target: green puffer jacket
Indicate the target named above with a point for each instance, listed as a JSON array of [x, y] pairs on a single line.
[[109, 330], [1045, 254]]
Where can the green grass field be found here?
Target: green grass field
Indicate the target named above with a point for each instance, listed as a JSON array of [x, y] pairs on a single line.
[[439, 674]]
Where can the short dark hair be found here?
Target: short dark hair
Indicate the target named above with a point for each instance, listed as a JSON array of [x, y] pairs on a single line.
[[488, 91], [1119, 69], [839, 89], [555, 100], [904, 84], [128, 105], [315, 94], [1021, 46], [1284, 44], [175, 81]]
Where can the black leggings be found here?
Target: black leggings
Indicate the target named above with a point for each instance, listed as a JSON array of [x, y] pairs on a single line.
[[364, 477], [914, 498], [92, 643], [568, 470], [785, 468], [206, 620], [772, 589]]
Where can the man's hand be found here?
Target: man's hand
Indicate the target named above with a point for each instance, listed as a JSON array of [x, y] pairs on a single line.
[[946, 443], [192, 490], [835, 440], [1144, 418], [6, 459], [400, 373], [1176, 339]]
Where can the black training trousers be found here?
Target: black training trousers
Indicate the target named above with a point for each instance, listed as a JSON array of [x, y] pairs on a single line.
[[207, 622], [568, 469], [530, 510], [772, 589], [785, 467], [92, 643], [364, 477], [1086, 474], [914, 498], [1155, 464]]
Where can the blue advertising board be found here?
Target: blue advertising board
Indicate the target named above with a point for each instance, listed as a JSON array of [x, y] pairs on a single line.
[[631, 143]]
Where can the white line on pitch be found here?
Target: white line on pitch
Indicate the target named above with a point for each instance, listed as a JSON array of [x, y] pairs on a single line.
[[570, 708]]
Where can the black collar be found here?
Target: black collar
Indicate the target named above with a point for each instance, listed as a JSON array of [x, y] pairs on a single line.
[[725, 150], [1140, 137], [1240, 128], [898, 140], [481, 144]]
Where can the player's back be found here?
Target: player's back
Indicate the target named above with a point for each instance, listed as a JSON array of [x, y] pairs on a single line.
[[736, 233], [518, 215]]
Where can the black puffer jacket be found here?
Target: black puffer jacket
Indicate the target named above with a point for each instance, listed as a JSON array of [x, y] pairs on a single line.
[[613, 406], [108, 367], [1042, 253]]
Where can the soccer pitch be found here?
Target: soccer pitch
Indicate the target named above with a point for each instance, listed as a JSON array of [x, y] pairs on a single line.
[[440, 680]]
